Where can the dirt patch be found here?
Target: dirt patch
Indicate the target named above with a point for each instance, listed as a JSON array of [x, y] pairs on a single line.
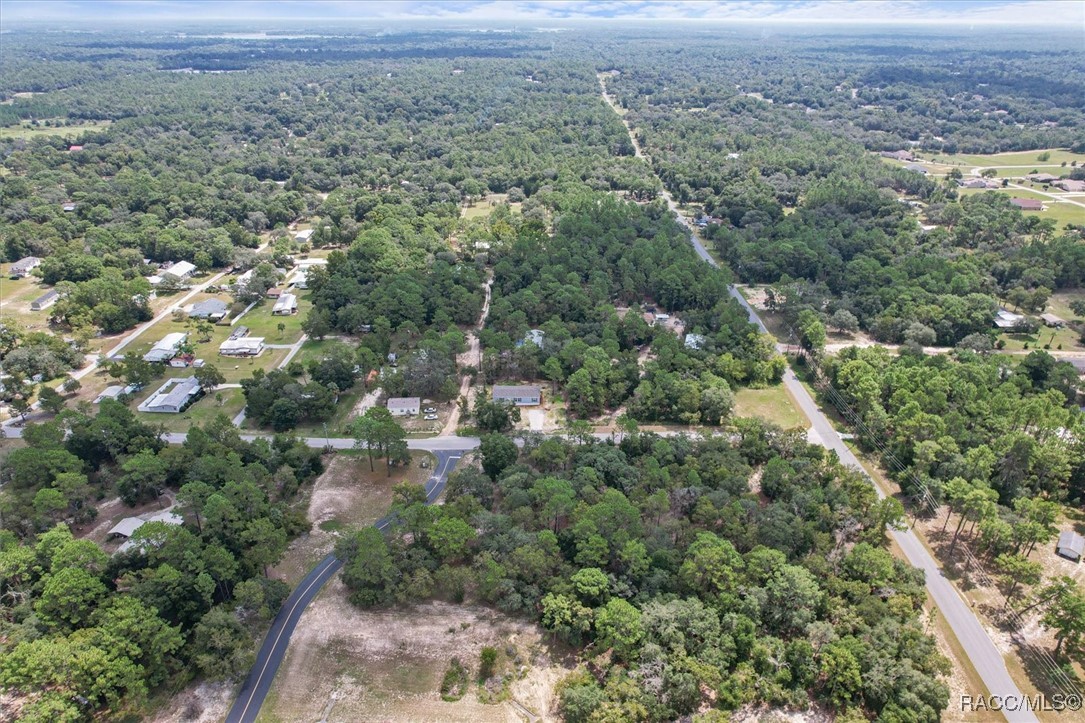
[[113, 511], [345, 664], [202, 703], [348, 496]]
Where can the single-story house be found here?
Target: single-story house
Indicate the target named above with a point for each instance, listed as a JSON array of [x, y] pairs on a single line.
[[112, 392], [696, 341], [173, 397], [286, 305], [404, 406], [533, 336], [68, 207], [899, 155], [273, 293], [916, 168], [1053, 321], [1068, 184], [1028, 204], [22, 268], [303, 236], [182, 361], [1071, 546], [179, 271], [975, 183], [244, 346], [662, 318], [45, 300], [526, 395], [128, 526], [1041, 177], [166, 348], [1006, 319], [213, 309], [299, 280], [243, 279]]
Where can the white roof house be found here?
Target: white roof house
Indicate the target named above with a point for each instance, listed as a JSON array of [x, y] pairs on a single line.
[[303, 236], [166, 348], [1007, 320], [242, 346], [128, 526], [172, 397], [404, 406], [114, 392], [696, 341], [45, 300], [180, 270], [22, 268], [300, 279], [286, 304]]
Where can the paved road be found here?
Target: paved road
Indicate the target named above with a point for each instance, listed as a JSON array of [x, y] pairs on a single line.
[[983, 654], [247, 706]]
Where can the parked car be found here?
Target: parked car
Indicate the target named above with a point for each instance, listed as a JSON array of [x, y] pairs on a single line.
[[430, 417], [429, 410]]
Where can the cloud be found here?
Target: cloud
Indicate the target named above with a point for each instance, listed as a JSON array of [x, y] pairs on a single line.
[[1056, 13]]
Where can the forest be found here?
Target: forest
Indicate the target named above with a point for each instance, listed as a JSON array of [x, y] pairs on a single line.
[[686, 588]]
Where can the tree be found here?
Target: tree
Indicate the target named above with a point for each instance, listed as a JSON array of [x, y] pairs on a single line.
[[265, 543], [618, 626], [221, 647], [566, 617], [844, 321], [450, 537], [1065, 614], [811, 332], [51, 400], [144, 477], [1016, 570], [498, 454], [208, 376], [491, 416], [368, 570], [69, 598]]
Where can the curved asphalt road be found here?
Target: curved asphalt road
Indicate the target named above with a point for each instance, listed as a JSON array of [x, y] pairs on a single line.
[[247, 706]]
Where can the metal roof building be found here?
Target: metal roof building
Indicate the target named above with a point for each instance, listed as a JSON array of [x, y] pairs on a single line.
[[1071, 545]]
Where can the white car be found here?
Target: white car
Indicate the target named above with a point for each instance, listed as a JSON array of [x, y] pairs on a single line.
[[430, 417], [429, 410]]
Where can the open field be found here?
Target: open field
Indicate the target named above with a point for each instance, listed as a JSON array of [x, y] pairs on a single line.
[[1061, 211], [26, 130], [203, 411], [485, 207], [1019, 158], [772, 404], [349, 665], [262, 322]]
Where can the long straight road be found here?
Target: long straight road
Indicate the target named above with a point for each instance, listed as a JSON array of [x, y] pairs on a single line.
[[982, 653]]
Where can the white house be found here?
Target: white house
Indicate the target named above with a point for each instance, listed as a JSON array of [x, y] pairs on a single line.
[[404, 406], [1007, 320], [166, 348], [172, 397], [303, 236], [243, 346], [286, 305], [300, 279], [526, 395], [22, 268], [179, 271], [128, 526]]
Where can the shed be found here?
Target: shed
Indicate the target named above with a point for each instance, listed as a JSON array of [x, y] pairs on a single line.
[[303, 236], [274, 292], [45, 300], [526, 395], [1071, 545], [404, 406], [1053, 321]]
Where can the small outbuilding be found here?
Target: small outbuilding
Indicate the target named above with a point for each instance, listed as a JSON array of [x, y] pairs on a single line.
[[404, 406], [1071, 546], [303, 236], [1053, 321], [179, 271], [45, 300], [525, 395]]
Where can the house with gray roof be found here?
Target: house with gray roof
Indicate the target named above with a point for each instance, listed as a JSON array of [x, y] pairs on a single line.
[[404, 406], [521, 395], [212, 309], [45, 300], [1071, 546], [166, 348], [173, 397]]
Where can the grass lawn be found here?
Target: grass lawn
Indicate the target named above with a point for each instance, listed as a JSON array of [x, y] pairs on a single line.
[[1067, 338], [1061, 211], [15, 298], [773, 404], [313, 350], [486, 206], [261, 322], [25, 130], [1059, 303], [1022, 158]]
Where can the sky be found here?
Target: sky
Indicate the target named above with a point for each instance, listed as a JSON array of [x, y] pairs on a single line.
[[1060, 14]]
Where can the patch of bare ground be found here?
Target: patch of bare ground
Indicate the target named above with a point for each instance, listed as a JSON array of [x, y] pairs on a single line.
[[347, 497], [765, 714], [202, 703], [347, 664]]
